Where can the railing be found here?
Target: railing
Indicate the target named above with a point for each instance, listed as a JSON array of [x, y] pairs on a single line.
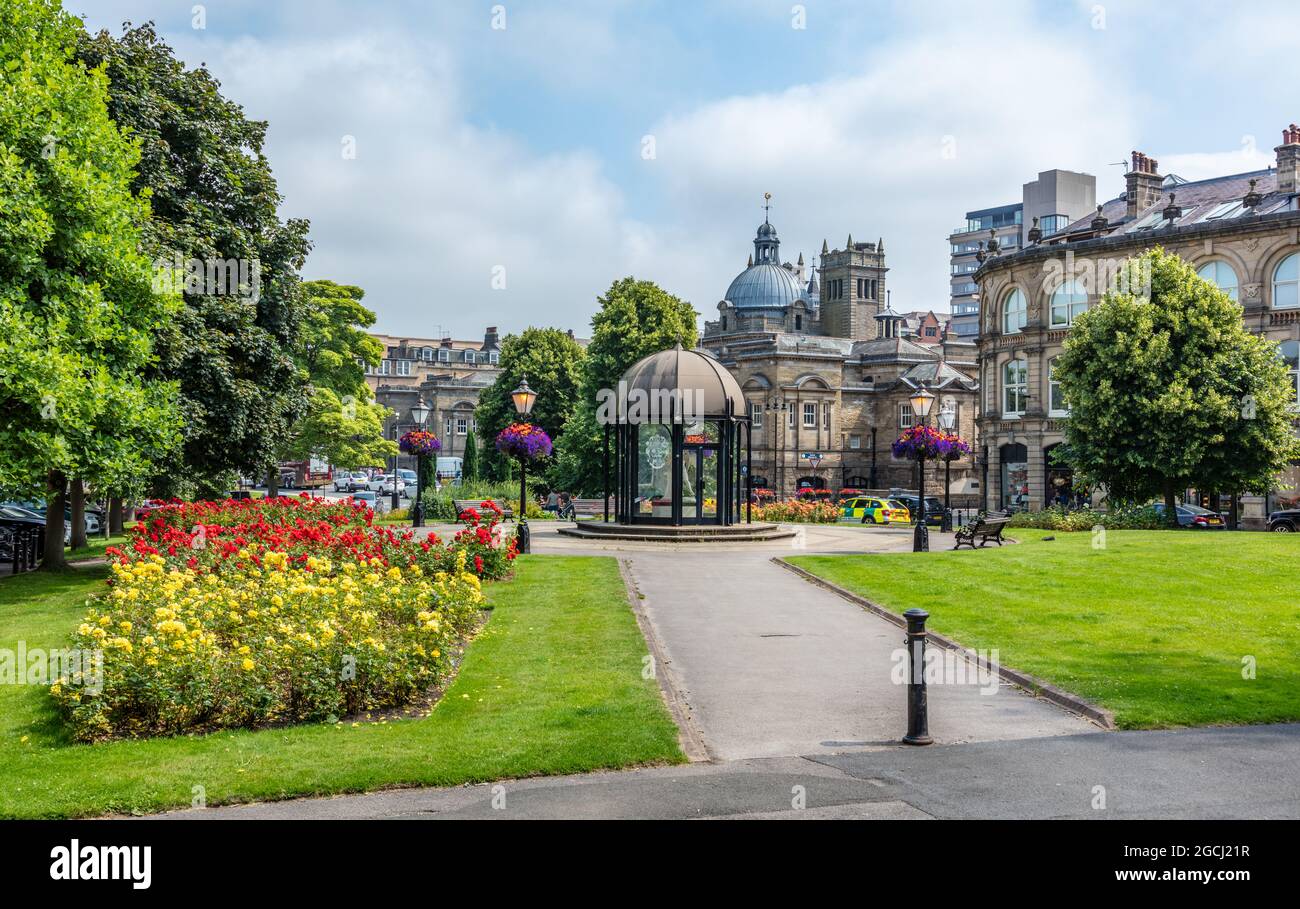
[[21, 547]]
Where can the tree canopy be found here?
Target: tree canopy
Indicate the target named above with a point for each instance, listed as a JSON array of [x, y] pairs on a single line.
[[1168, 390], [78, 395], [635, 319], [216, 236]]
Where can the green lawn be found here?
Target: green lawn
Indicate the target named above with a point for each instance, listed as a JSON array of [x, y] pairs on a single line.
[[552, 685], [94, 548], [1153, 627]]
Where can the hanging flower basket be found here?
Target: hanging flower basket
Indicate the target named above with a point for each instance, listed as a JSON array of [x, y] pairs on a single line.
[[933, 445], [524, 442], [419, 442]]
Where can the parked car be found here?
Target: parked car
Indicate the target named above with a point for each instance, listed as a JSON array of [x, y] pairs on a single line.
[[16, 515], [384, 482], [1194, 516], [933, 507], [408, 475], [366, 497], [873, 510], [350, 481], [148, 505], [1285, 521]]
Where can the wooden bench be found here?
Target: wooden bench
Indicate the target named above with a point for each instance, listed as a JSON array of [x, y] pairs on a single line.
[[591, 508], [985, 528], [464, 505]]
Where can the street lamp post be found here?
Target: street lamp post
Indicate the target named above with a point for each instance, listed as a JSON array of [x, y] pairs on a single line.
[[396, 499], [921, 400], [947, 420], [420, 412], [523, 397]]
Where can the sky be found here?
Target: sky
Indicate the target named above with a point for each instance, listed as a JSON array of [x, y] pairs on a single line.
[[475, 163]]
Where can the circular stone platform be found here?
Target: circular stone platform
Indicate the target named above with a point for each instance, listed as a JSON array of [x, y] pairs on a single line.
[[689, 533]]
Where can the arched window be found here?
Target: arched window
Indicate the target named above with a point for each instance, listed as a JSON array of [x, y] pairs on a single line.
[[1068, 303], [1015, 387], [1013, 312], [798, 323], [1056, 401], [1221, 275], [724, 323], [1286, 283]]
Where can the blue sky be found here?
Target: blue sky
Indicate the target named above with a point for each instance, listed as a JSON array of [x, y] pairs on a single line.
[[518, 151]]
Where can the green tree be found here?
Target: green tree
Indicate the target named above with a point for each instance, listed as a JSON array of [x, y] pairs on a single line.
[[635, 319], [469, 457], [342, 425], [77, 309], [232, 346], [1167, 390], [552, 362]]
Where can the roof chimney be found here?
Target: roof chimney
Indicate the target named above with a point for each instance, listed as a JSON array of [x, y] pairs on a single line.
[[1142, 183], [1288, 160], [490, 338]]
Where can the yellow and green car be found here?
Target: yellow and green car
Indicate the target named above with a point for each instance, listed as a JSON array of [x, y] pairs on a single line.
[[871, 510]]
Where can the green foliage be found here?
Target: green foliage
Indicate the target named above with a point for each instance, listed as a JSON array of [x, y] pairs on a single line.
[[439, 503], [469, 459], [213, 198], [635, 319], [1173, 392], [342, 424], [1081, 519], [552, 362], [77, 308]]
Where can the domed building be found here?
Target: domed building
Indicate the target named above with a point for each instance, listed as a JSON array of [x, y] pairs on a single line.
[[826, 371]]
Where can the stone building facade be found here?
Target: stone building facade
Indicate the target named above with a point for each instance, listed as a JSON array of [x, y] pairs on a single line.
[[1240, 231], [827, 373]]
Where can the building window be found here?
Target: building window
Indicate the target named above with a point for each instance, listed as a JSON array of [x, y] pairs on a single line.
[[448, 432], [1015, 387], [756, 415], [855, 442], [1068, 303], [810, 416], [444, 355], [494, 358], [931, 331], [905, 416], [724, 323], [426, 354], [873, 290], [826, 417], [469, 357], [1290, 352], [385, 366], [403, 367], [789, 416], [1056, 401], [1221, 275], [1286, 282], [1013, 313], [462, 426], [798, 323]]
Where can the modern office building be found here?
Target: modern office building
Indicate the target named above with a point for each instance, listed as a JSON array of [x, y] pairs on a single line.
[[1049, 203]]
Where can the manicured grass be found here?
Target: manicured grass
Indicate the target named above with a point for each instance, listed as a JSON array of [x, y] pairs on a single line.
[[1154, 626], [94, 548], [552, 685]]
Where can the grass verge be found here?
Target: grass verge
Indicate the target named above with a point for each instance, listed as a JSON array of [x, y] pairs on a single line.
[[552, 685], [1158, 626]]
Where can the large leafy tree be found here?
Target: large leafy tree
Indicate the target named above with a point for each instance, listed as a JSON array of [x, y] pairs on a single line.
[[213, 196], [342, 423], [1168, 390], [77, 309], [635, 319], [552, 361]]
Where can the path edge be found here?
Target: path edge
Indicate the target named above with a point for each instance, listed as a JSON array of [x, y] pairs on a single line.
[[1033, 685], [689, 736]]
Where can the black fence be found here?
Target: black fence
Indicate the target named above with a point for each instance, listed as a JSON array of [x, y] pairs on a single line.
[[22, 546]]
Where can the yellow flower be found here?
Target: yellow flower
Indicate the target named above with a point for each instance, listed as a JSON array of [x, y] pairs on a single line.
[[247, 664]]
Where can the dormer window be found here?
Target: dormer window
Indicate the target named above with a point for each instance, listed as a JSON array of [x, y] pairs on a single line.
[[444, 355], [469, 356]]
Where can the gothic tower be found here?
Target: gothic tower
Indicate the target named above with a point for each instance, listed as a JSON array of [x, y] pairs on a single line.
[[852, 289]]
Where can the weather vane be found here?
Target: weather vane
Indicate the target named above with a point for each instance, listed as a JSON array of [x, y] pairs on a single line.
[[767, 204]]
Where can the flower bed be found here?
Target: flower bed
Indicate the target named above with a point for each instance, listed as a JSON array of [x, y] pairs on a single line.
[[258, 615], [799, 512]]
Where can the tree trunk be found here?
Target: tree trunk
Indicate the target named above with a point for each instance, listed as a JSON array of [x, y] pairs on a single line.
[[114, 516], [273, 483], [1171, 506], [55, 485], [77, 497]]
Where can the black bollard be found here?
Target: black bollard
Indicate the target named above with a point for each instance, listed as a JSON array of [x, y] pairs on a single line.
[[918, 716], [522, 536]]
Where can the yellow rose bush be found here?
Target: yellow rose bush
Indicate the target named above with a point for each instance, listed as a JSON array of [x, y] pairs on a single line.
[[263, 637]]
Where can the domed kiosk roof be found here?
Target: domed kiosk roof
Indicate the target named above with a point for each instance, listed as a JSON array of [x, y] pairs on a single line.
[[764, 286], [696, 378]]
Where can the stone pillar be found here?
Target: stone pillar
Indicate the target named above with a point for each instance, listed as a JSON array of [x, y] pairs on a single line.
[[993, 495], [1037, 471]]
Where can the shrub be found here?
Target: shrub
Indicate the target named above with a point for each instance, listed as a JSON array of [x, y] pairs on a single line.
[[799, 512], [1080, 519]]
